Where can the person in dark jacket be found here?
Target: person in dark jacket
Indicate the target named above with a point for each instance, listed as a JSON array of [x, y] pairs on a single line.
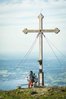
[[31, 79]]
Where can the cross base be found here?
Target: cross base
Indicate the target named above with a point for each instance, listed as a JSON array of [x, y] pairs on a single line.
[[41, 78]]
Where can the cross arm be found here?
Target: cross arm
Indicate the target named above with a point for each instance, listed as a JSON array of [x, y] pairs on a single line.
[[31, 30], [56, 30]]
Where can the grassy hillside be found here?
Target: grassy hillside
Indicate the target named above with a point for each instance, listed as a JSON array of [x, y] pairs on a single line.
[[35, 93]]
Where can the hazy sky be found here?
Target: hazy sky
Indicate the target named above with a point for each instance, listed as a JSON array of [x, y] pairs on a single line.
[[15, 15]]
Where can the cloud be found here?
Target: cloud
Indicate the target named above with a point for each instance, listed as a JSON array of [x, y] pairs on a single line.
[[10, 1], [31, 1], [14, 17]]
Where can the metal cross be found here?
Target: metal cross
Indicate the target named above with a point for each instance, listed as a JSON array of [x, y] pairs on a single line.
[[40, 31]]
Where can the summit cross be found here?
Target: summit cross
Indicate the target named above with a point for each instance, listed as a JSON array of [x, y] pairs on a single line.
[[41, 31]]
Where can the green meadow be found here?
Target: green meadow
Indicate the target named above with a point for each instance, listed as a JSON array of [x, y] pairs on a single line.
[[35, 93]]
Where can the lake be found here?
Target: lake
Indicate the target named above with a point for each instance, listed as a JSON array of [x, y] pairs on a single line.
[[14, 72]]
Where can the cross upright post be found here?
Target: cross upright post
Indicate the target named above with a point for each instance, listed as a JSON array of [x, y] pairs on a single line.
[[41, 73], [41, 31]]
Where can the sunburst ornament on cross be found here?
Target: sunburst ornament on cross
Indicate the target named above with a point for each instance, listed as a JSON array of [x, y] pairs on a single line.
[[41, 31]]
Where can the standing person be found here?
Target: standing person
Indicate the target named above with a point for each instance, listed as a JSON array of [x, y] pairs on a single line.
[[35, 80], [31, 79]]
